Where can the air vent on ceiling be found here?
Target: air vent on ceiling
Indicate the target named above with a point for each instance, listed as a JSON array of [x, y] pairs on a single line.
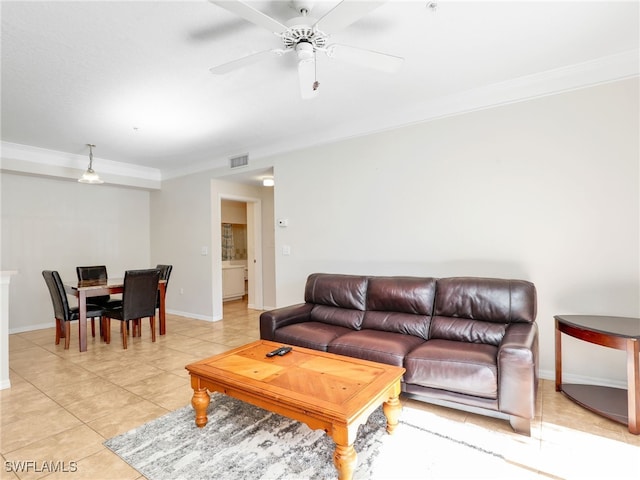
[[239, 161]]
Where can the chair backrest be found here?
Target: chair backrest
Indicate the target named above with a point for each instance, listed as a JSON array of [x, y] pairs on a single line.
[[94, 272], [58, 295], [139, 293], [165, 272]]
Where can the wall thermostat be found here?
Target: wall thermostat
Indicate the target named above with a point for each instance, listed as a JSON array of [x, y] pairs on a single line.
[[283, 222]]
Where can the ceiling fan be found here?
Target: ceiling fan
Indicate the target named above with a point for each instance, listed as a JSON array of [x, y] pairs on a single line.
[[306, 36]]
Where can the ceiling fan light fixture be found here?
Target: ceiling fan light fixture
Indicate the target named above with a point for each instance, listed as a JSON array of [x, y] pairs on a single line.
[[90, 176], [305, 51]]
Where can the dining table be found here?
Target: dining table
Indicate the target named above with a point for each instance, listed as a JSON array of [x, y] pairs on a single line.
[[83, 289]]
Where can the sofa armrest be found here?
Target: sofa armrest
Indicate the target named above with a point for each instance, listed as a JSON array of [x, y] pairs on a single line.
[[518, 370], [271, 320]]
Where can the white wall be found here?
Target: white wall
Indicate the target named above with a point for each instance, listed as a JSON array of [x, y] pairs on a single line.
[[545, 190], [51, 224], [180, 227]]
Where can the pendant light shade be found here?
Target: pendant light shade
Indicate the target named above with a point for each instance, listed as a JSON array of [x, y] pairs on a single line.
[[90, 176]]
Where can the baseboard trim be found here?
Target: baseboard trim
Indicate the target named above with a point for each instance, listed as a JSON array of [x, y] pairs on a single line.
[[206, 318], [30, 328], [581, 379]]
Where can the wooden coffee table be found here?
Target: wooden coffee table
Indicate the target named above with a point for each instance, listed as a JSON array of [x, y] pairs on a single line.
[[325, 391]]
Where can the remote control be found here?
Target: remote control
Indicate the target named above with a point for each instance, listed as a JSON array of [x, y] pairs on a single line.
[[277, 351], [284, 351]]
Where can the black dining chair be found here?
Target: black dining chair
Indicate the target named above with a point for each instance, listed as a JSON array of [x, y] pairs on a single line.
[[98, 273], [61, 310], [165, 273], [139, 296]]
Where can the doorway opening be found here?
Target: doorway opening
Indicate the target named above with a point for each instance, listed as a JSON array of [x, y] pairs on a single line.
[[234, 245], [237, 264]]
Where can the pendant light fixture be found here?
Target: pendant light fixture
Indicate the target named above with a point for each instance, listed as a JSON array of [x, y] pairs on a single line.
[[90, 176]]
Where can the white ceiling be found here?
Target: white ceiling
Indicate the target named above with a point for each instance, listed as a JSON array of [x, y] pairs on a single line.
[[133, 77]]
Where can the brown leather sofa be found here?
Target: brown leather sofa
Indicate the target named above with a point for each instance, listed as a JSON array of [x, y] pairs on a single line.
[[466, 340]]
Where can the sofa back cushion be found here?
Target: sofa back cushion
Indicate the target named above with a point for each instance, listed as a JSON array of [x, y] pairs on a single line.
[[338, 299], [400, 305], [479, 310]]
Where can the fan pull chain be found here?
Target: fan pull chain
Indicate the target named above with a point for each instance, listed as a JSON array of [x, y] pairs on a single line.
[[316, 84]]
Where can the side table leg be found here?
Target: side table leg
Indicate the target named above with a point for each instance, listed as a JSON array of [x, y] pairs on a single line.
[[345, 459], [392, 408], [200, 402], [633, 385], [558, 357]]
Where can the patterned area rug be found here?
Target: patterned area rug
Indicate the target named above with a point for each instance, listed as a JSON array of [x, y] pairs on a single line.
[[241, 441]]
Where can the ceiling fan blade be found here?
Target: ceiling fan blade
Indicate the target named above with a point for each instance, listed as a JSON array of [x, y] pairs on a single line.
[[345, 13], [307, 78], [251, 14], [243, 62], [365, 58]]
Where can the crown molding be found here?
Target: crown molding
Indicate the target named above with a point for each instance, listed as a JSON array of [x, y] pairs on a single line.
[[600, 71], [25, 159]]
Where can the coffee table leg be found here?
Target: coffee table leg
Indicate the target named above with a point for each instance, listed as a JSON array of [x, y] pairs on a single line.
[[392, 408], [345, 458], [200, 402]]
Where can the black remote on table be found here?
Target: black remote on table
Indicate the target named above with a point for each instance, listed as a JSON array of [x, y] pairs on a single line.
[[279, 351]]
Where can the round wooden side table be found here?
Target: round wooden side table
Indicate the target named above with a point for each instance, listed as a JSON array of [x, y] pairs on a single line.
[[621, 333]]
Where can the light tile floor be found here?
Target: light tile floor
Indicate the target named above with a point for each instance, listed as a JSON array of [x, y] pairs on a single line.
[[62, 405]]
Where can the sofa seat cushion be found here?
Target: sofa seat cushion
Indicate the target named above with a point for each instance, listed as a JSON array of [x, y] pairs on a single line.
[[375, 345], [315, 335], [467, 330], [467, 368]]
